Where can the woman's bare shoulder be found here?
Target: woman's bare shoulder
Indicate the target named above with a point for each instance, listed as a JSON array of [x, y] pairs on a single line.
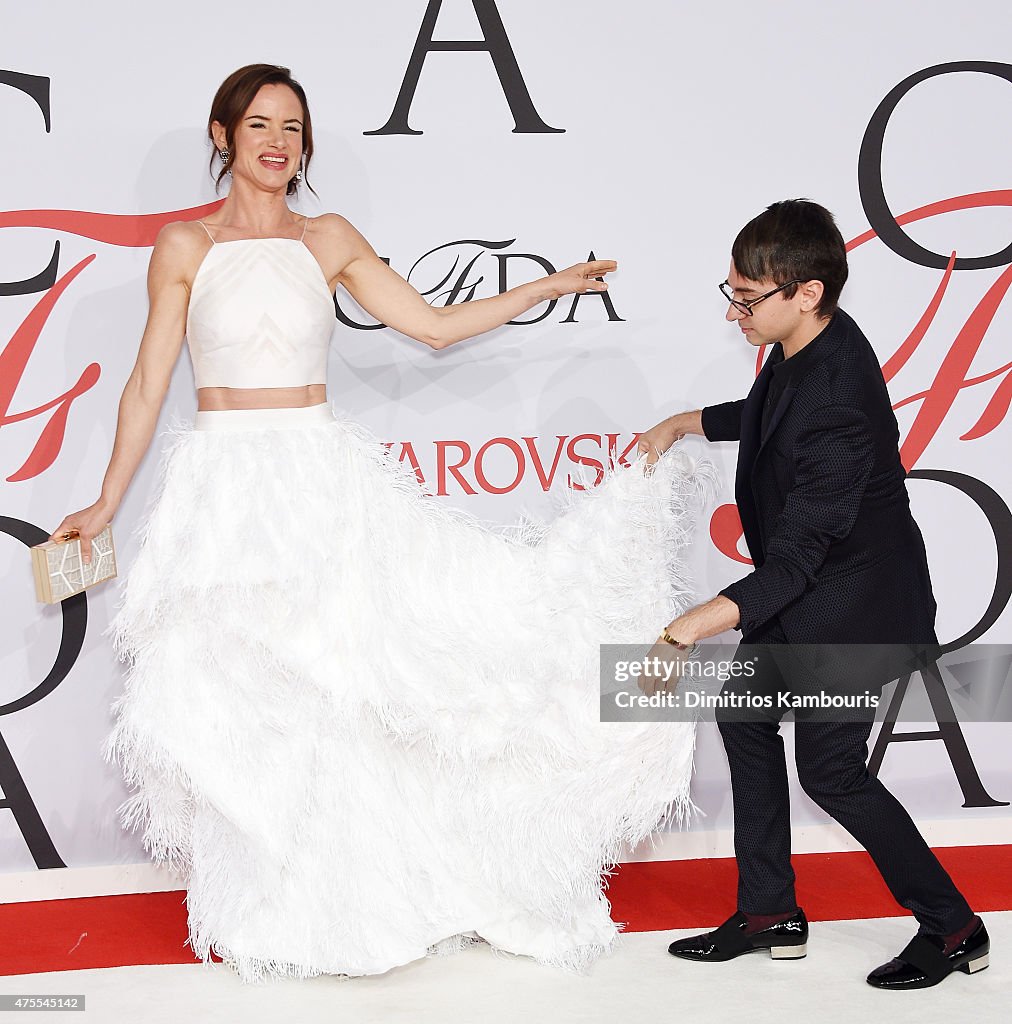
[[181, 233], [339, 239], [179, 248], [333, 227]]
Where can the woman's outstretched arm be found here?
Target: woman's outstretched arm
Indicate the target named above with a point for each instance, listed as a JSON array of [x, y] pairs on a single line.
[[385, 295]]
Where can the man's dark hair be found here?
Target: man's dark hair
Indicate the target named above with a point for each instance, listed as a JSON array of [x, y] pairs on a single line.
[[794, 240]]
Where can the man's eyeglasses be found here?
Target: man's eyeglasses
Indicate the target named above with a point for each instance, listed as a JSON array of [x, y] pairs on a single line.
[[746, 307]]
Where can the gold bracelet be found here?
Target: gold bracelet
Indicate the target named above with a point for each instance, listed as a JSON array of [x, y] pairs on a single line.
[[668, 638]]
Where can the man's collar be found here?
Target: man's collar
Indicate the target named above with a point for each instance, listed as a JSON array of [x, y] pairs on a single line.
[[791, 369]]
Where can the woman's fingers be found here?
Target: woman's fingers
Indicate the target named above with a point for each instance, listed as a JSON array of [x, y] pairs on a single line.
[[67, 531], [595, 269], [62, 530], [598, 267]]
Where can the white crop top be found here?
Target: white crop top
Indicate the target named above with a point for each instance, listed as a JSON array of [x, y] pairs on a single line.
[[260, 316]]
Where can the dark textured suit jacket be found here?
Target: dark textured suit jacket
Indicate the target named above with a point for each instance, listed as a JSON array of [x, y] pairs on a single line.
[[822, 496]]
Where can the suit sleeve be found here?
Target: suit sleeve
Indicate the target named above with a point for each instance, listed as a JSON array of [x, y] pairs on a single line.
[[723, 422], [834, 458]]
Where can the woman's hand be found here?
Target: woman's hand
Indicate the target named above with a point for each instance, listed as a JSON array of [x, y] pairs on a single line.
[[579, 279], [657, 440], [88, 523]]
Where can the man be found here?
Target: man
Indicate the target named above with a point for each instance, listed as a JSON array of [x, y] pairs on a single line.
[[838, 559]]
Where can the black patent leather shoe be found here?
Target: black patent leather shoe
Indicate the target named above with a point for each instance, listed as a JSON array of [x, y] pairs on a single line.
[[787, 940], [923, 963]]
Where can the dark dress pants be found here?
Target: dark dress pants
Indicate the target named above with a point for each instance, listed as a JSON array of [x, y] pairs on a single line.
[[831, 759]]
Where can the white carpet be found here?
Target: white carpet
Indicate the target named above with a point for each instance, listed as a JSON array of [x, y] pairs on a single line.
[[639, 982]]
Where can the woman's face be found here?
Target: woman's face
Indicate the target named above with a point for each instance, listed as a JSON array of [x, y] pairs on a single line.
[[268, 139]]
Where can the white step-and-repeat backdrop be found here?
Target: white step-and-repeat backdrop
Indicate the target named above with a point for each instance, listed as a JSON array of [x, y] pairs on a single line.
[[477, 144]]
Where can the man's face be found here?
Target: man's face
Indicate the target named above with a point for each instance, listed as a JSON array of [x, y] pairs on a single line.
[[773, 319]]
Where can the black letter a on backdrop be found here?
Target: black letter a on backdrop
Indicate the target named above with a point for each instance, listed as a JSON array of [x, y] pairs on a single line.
[[495, 42], [949, 732]]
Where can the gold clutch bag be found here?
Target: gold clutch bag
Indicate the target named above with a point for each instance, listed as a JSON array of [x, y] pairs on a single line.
[[60, 571]]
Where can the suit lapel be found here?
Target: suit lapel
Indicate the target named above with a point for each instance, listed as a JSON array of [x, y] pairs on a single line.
[[754, 438], [752, 415], [748, 449], [786, 397]]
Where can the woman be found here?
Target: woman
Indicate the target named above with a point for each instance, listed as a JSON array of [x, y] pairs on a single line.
[[363, 726]]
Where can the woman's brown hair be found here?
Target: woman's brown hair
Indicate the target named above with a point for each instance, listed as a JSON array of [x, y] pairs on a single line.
[[233, 99]]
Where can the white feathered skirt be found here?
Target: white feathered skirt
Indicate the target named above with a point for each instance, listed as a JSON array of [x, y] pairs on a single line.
[[366, 727]]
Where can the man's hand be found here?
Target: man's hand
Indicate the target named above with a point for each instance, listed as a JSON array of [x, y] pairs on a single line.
[[657, 440], [705, 620], [662, 668]]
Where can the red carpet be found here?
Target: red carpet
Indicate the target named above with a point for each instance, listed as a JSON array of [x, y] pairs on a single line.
[[117, 931], [657, 895]]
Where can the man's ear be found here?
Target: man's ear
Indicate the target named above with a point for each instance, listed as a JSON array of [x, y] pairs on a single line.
[[811, 295]]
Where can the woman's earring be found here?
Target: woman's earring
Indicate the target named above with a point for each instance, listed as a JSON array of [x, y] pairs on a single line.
[[224, 154], [298, 174]]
